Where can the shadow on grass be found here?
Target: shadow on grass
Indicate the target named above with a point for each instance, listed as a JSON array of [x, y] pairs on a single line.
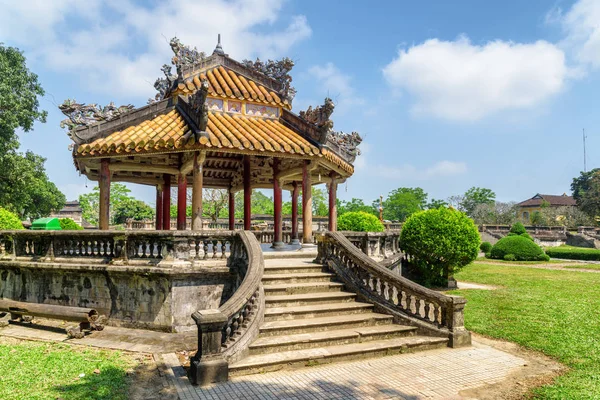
[[110, 383]]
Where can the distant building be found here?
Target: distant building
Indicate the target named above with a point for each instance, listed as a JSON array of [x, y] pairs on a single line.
[[528, 207], [72, 209]]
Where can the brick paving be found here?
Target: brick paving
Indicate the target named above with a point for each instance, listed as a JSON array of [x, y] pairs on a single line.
[[435, 374]]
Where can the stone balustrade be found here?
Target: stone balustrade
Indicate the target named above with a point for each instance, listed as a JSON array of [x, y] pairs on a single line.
[[377, 245], [432, 312]]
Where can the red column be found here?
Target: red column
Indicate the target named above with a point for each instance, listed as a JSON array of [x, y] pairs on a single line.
[[277, 237], [247, 194], [166, 225], [306, 206], [332, 205], [231, 211], [159, 208], [181, 201], [295, 213], [104, 183]]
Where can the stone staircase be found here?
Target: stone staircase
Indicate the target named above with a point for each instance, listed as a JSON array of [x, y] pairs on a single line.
[[310, 320]]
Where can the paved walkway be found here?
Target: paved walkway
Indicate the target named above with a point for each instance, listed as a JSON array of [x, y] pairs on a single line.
[[435, 374]]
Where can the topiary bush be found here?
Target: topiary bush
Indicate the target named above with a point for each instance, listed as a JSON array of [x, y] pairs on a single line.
[[517, 229], [485, 247], [9, 221], [67, 224], [521, 248], [526, 235], [359, 221], [440, 242]]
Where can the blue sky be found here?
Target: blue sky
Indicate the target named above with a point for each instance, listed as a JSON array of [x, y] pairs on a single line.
[[447, 95]]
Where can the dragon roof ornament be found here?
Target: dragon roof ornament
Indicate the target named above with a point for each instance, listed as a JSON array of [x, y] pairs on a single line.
[[340, 141], [278, 70], [81, 114]]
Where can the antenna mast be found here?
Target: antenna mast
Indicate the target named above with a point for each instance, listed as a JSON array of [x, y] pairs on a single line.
[[584, 158]]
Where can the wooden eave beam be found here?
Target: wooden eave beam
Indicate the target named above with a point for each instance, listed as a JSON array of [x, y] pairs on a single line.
[[135, 167]]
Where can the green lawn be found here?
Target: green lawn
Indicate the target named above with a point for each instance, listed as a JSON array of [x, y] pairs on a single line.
[[584, 266], [556, 312], [493, 260], [34, 370]]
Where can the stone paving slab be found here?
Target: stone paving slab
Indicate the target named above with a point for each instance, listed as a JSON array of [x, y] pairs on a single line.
[[434, 374]]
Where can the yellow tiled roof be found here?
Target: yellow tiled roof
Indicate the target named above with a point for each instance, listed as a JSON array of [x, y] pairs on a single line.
[[228, 84], [165, 132], [336, 160]]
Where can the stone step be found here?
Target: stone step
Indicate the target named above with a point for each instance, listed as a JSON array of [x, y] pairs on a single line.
[[300, 267], [286, 255], [308, 298], [316, 310], [310, 357], [270, 279], [273, 344], [296, 288], [309, 325]]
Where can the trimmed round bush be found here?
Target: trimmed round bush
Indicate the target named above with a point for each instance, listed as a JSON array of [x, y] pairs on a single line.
[[485, 247], [440, 242], [67, 224], [9, 220], [518, 228], [518, 246], [359, 221], [526, 235]]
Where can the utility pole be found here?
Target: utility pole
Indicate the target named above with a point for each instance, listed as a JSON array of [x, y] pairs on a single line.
[[584, 160]]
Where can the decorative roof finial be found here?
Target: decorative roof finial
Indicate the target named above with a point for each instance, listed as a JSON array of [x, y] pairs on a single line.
[[219, 49]]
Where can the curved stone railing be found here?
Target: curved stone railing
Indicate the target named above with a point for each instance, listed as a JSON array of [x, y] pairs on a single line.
[[432, 312], [224, 334]]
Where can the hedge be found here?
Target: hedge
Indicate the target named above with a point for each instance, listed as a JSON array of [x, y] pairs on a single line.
[[9, 221], [519, 247], [359, 221], [574, 253], [67, 224]]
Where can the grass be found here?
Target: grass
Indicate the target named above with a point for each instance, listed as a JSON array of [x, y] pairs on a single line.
[[556, 312], [493, 260], [584, 266], [33, 370]]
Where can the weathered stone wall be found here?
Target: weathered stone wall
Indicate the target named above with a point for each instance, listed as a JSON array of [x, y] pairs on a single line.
[[140, 297], [582, 240]]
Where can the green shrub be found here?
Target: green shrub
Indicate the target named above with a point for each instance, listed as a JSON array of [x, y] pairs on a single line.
[[488, 255], [520, 247], [359, 221], [526, 235], [9, 221], [485, 247], [574, 253], [440, 242], [510, 257], [518, 228], [67, 224]]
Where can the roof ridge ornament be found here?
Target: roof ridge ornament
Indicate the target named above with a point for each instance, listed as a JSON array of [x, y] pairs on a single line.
[[279, 70], [219, 48], [81, 114]]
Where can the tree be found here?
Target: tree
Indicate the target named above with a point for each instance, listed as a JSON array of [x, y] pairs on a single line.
[[403, 202], [435, 203], [498, 213], [320, 203], [261, 203], [456, 202], [586, 192], [354, 205], [130, 208], [24, 185], [476, 196], [215, 203], [119, 194]]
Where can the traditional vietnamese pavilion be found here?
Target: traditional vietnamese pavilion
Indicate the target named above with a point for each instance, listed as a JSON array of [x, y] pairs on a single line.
[[215, 123]]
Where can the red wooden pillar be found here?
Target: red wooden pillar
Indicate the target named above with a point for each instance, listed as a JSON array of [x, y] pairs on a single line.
[[166, 225], [306, 205], [295, 213], [231, 211], [247, 194], [104, 183], [159, 207], [277, 222], [181, 201], [332, 205]]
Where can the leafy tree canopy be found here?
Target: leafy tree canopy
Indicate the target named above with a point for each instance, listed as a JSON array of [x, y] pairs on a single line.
[[24, 185], [354, 205], [122, 205], [476, 196], [403, 202], [586, 192], [132, 208]]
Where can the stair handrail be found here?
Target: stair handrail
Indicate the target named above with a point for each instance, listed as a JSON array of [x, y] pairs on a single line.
[[224, 334], [432, 312]]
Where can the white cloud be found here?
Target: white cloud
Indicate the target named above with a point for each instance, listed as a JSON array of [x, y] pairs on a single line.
[[458, 80], [582, 29], [118, 47], [336, 84], [408, 171]]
